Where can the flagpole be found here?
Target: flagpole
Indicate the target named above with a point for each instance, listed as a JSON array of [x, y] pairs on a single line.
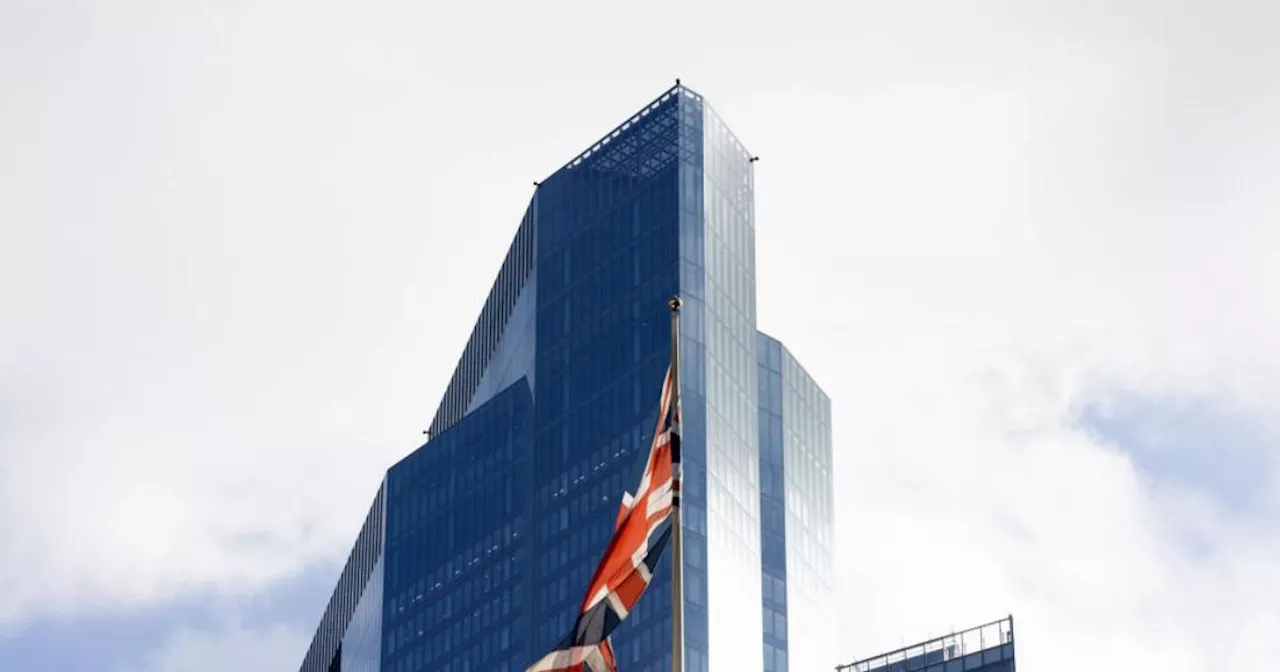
[[677, 531]]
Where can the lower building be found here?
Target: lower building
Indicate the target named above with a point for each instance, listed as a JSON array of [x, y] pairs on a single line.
[[986, 648]]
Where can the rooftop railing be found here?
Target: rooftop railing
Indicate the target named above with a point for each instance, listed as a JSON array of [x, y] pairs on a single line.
[[947, 647]]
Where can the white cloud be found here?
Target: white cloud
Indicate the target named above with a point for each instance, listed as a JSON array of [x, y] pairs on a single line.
[[232, 647], [239, 252], [1018, 237]]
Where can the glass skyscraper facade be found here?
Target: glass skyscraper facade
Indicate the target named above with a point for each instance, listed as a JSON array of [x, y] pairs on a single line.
[[796, 513], [479, 544], [986, 648]]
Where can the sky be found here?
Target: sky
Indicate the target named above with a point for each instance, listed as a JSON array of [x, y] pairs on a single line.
[[1029, 249]]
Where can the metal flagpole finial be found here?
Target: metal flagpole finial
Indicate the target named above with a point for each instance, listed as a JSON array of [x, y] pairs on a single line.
[[675, 304]]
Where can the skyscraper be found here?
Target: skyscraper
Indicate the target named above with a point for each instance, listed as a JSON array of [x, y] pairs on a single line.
[[479, 544]]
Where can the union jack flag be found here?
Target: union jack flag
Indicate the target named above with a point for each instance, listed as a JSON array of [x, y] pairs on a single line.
[[640, 535]]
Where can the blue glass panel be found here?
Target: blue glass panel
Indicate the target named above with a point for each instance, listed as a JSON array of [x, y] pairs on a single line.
[[608, 247], [804, 432], [455, 551], [718, 219], [773, 561]]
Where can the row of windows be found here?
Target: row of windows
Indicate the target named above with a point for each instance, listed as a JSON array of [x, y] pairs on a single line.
[[594, 310], [808, 430], [472, 662], [560, 581], [798, 379], [731, 334], [456, 463], [800, 391], [439, 592], [617, 359], [413, 560], [654, 635], [578, 550], [473, 532], [634, 318], [730, 277], [455, 512], [554, 626], [568, 311], [569, 203], [623, 450], [454, 572], [593, 410], [727, 391], [729, 207], [617, 249], [575, 522], [730, 157], [645, 632], [487, 502], [732, 456], [444, 631], [610, 408], [735, 412], [451, 650], [563, 566], [574, 243]]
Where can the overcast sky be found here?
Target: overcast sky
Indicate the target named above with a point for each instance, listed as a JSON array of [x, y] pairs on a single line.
[[1030, 250]]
